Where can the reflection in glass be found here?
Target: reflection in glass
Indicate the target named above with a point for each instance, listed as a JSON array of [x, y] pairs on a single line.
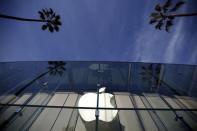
[[136, 88]]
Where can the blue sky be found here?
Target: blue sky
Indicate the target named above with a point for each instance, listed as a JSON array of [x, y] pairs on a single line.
[[97, 30]]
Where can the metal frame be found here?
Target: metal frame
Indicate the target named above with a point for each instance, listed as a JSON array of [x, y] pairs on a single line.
[[101, 108]]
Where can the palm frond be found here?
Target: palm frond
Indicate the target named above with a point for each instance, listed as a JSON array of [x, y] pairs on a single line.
[[154, 14], [158, 8], [177, 6], [152, 21], [52, 20], [56, 67], [167, 5], [159, 25], [158, 69], [44, 27], [41, 15], [168, 25]]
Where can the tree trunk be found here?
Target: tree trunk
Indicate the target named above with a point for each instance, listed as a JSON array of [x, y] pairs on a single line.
[[21, 19], [30, 83], [168, 86], [182, 15]]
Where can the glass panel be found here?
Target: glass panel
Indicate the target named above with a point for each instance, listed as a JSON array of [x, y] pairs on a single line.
[[149, 97], [128, 119], [146, 120], [182, 78], [65, 115]]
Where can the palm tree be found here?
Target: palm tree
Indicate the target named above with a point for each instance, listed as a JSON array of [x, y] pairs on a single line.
[[54, 68], [149, 72], [47, 16], [164, 14]]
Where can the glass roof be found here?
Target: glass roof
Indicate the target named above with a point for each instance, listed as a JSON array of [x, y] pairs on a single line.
[[147, 96], [116, 76]]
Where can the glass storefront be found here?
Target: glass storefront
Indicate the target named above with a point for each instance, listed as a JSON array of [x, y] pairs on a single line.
[[138, 97]]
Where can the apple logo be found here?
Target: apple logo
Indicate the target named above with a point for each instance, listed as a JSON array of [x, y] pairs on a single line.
[[90, 100]]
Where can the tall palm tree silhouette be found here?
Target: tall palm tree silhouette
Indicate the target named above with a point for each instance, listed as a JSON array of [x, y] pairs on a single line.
[[165, 13], [47, 16], [149, 72], [54, 68]]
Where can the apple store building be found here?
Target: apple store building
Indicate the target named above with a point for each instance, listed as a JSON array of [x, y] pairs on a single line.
[[97, 96]]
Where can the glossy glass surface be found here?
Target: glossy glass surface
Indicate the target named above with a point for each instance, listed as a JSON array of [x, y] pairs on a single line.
[[148, 97]]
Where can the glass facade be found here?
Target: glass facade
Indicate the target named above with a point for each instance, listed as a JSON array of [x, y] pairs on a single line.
[[147, 96]]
